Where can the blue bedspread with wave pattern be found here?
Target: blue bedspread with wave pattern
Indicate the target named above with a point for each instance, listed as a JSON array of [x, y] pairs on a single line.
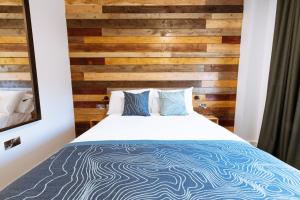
[[141, 170]]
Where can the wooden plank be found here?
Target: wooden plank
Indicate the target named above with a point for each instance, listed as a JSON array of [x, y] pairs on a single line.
[[153, 40], [11, 2], [12, 23], [136, 47], [15, 76], [143, 54], [151, 76], [83, 8], [12, 32], [224, 2], [136, 23], [220, 83], [152, 2], [90, 97], [228, 23], [11, 9], [171, 32], [142, 61], [224, 48], [138, 68], [14, 54], [174, 9], [221, 68], [87, 111], [218, 104], [70, 2], [11, 16], [227, 16], [13, 47], [231, 39], [14, 68], [12, 40], [14, 61], [86, 61], [84, 32], [148, 16]]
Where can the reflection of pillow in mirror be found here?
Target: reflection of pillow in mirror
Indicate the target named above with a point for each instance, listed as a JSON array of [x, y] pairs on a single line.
[[9, 100], [26, 104]]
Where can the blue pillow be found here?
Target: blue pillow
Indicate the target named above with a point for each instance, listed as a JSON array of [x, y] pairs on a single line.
[[172, 103], [136, 104]]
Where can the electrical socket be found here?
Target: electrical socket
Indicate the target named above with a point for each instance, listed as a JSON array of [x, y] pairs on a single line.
[[12, 143]]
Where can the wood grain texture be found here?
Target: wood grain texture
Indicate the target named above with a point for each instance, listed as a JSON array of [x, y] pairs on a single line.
[[166, 44], [154, 40], [136, 23]]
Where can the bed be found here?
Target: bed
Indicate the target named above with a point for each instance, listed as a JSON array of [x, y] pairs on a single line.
[[158, 157]]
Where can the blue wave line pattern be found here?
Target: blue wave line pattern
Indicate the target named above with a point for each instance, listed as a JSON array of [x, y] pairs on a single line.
[[136, 104], [142, 171]]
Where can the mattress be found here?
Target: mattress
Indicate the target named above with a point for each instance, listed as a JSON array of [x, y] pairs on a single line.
[[7, 120], [157, 127], [134, 158]]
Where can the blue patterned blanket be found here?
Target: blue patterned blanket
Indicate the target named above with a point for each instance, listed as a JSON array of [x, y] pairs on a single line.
[[141, 170]]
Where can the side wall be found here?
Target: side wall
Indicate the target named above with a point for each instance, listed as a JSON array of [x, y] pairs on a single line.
[[256, 49], [160, 44], [43, 138]]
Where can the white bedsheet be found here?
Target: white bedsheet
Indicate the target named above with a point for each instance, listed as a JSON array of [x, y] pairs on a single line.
[[156, 127]]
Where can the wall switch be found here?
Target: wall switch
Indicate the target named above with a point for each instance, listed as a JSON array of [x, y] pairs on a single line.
[[12, 143]]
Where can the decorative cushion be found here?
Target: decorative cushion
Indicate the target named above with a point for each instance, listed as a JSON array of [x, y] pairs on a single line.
[[136, 104], [172, 103]]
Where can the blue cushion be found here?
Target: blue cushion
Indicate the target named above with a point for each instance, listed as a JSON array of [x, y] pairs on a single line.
[[172, 103], [136, 104]]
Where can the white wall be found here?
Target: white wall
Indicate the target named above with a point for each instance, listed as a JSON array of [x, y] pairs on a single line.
[[43, 138], [256, 48]]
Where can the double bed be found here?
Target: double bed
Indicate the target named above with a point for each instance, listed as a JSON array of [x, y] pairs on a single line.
[[158, 157]]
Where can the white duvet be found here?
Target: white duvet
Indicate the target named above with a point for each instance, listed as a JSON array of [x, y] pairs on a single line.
[[156, 127]]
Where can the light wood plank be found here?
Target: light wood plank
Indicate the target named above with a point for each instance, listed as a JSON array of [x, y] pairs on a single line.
[[224, 48], [12, 40], [141, 16], [143, 61], [14, 54], [82, 9], [228, 23], [14, 61], [15, 76], [11, 2], [11, 16], [12, 32], [151, 76], [70, 2], [153, 40], [148, 54], [220, 83], [227, 16], [89, 97]]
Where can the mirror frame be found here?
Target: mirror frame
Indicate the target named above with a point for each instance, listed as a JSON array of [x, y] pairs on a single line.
[[32, 64]]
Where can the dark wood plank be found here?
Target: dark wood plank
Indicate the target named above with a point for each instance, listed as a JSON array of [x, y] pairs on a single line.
[[231, 39], [221, 68], [11, 9], [12, 23], [174, 9], [228, 75], [84, 32], [220, 97], [13, 47], [137, 23], [137, 47], [87, 61]]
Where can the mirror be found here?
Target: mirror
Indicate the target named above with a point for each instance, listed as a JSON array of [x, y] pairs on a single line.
[[19, 96]]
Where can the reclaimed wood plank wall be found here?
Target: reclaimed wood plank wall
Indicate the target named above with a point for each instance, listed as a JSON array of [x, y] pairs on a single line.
[[155, 43], [14, 62]]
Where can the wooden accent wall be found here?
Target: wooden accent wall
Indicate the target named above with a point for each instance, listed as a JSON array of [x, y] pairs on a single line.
[[14, 62], [155, 43]]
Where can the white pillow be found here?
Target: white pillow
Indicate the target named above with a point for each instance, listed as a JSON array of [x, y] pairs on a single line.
[[188, 95], [9, 100], [26, 104], [116, 101]]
